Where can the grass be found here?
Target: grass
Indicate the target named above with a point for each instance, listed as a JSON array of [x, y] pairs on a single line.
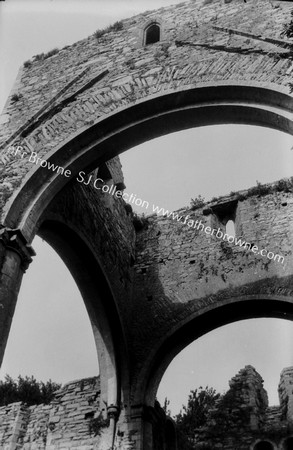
[[117, 26]]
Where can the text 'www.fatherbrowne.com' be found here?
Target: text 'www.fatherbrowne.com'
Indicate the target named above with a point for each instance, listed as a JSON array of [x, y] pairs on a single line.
[[99, 184], [218, 233]]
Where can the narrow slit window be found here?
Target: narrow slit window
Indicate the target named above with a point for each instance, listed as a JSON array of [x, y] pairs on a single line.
[[230, 228], [152, 34]]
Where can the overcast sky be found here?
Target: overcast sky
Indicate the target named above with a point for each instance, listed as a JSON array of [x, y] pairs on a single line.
[[51, 335]]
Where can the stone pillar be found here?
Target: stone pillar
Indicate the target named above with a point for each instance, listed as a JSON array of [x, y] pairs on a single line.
[[15, 257], [145, 429], [286, 394], [134, 432], [113, 415]]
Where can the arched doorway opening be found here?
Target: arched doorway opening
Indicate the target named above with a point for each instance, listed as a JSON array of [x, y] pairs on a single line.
[[152, 34]]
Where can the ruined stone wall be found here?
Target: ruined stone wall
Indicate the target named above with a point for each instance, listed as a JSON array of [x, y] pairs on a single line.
[[73, 420], [242, 417], [68, 422], [132, 66], [180, 270], [12, 420], [203, 43]]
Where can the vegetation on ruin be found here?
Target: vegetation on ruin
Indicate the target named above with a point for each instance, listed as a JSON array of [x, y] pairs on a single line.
[[283, 185], [288, 33], [140, 222], [288, 28], [41, 57], [117, 26], [197, 202], [27, 64], [209, 417], [96, 424], [194, 416], [27, 390], [15, 98]]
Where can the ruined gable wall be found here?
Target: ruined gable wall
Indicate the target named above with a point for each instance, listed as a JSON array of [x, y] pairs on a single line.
[[85, 82], [64, 423], [180, 270]]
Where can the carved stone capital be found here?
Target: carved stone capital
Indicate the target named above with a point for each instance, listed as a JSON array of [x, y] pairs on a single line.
[[113, 412], [14, 240]]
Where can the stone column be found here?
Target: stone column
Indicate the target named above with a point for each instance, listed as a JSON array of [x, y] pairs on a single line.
[[286, 394], [15, 257], [144, 427], [133, 433]]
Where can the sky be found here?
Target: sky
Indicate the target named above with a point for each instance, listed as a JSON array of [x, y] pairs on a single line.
[[51, 335]]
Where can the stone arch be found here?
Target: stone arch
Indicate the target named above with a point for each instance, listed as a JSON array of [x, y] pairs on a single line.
[[151, 117], [94, 288], [210, 318], [95, 126]]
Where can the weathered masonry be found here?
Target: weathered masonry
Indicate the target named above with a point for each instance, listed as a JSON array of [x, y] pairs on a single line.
[[152, 291], [73, 420], [247, 422]]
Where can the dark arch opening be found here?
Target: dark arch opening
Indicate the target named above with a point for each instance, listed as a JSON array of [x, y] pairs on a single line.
[[152, 34], [263, 445]]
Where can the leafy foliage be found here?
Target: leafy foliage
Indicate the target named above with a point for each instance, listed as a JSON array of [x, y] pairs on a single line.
[[194, 416], [197, 202], [96, 424], [27, 390], [27, 64], [222, 420]]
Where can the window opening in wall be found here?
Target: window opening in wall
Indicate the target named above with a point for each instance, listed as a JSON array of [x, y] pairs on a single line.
[[224, 215], [263, 445], [230, 227], [152, 34]]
